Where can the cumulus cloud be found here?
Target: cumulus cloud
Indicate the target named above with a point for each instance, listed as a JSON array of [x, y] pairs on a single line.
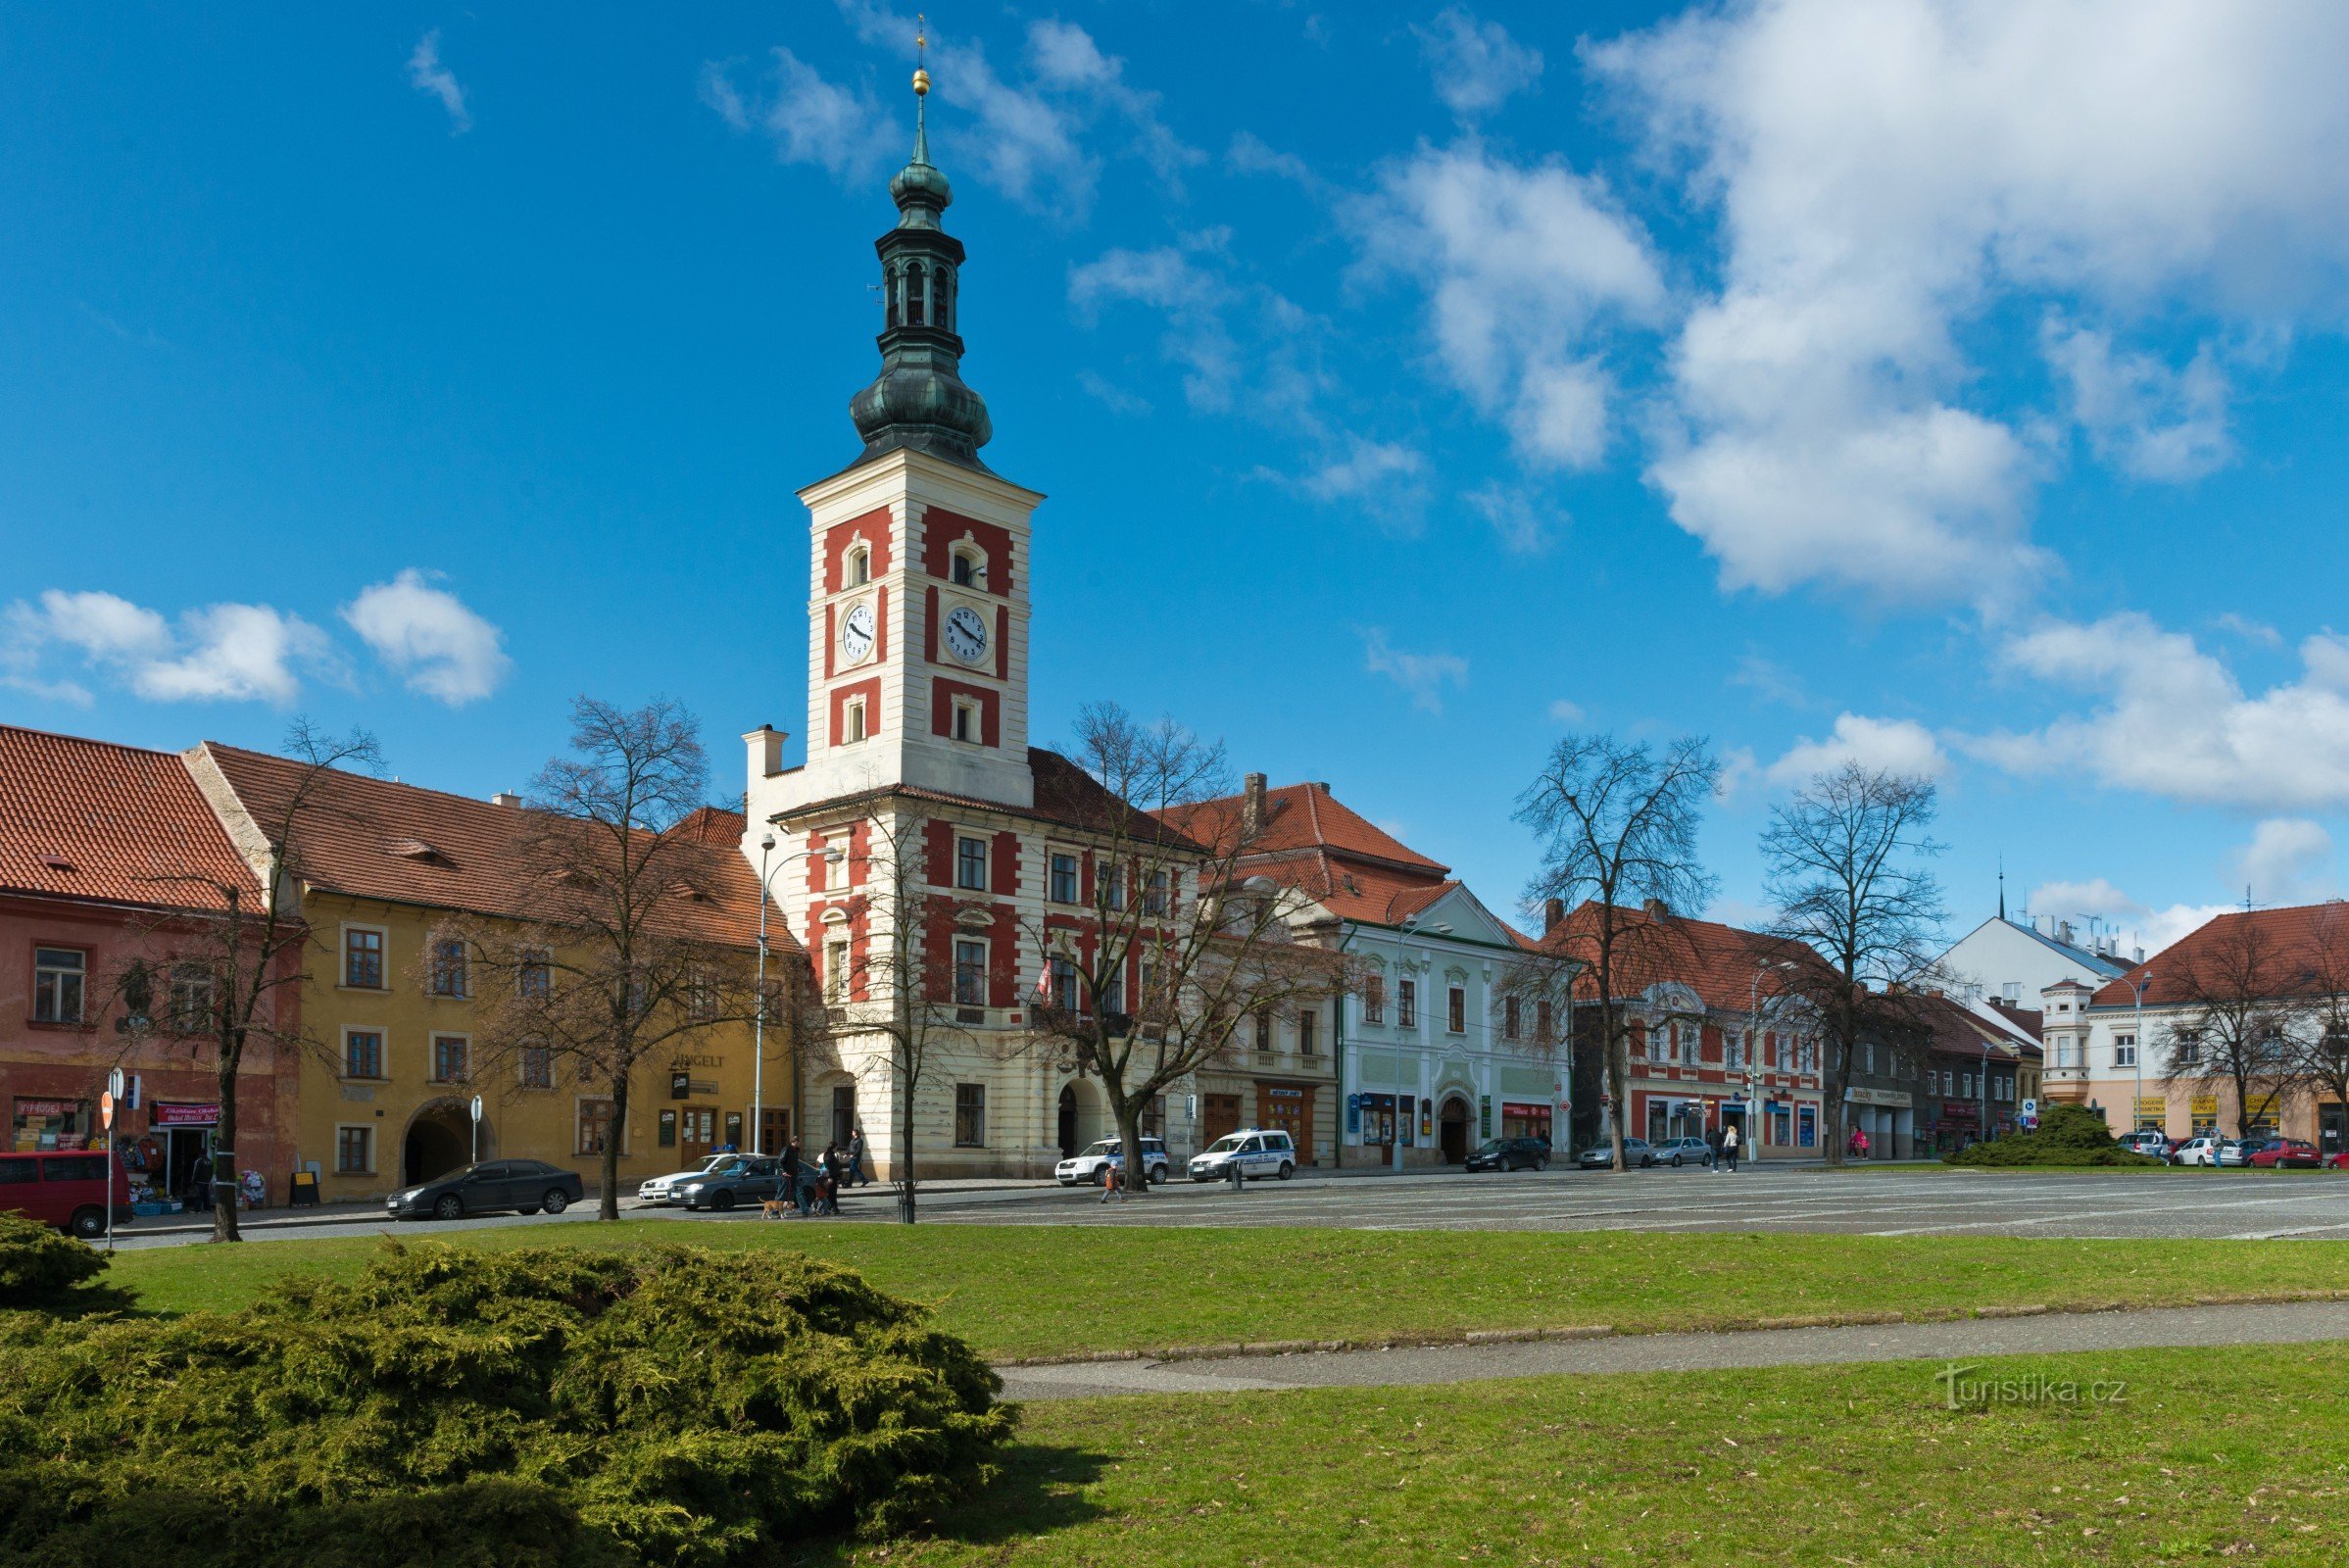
[[430, 638], [1524, 267], [1887, 745], [1193, 299], [841, 129], [220, 652], [2170, 720], [1888, 173], [2289, 860], [428, 76], [1523, 526], [1477, 65], [1424, 676], [2137, 924], [1364, 469]]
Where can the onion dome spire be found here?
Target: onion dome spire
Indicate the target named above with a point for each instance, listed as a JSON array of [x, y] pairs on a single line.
[[918, 401]]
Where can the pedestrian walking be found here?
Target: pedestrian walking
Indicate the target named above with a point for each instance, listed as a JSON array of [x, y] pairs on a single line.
[[1232, 1171], [796, 1177], [1712, 1143], [858, 1175], [829, 1179], [1113, 1184], [1729, 1147]]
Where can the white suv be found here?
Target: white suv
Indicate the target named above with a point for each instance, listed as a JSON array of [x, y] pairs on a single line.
[[1086, 1166], [1258, 1152]]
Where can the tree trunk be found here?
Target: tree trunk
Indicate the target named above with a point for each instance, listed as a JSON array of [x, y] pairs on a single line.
[[608, 1202], [1129, 1137], [1619, 1083], [1839, 1078], [904, 1179], [223, 1148]]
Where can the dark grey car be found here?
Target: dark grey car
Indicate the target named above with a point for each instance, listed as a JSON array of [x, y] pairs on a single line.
[[743, 1179], [493, 1186]]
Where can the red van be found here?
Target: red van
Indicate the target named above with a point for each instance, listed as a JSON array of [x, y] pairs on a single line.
[[67, 1191]]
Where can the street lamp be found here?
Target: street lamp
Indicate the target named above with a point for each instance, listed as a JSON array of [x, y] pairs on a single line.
[[2136, 1054], [766, 848], [1753, 1050]]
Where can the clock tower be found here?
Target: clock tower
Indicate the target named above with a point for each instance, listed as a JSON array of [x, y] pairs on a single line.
[[917, 609]]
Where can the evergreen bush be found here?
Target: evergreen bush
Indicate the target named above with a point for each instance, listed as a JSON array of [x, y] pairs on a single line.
[[39, 1263], [2066, 1135], [547, 1407]]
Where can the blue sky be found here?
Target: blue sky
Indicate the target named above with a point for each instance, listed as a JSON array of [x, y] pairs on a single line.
[[1938, 384]]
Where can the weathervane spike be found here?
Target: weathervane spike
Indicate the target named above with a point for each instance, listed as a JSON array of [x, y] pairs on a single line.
[[922, 88]]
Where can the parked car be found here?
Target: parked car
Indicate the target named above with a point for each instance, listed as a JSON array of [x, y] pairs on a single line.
[[2145, 1141], [494, 1186], [734, 1179], [1087, 1165], [65, 1190], [1601, 1155], [2196, 1152], [1681, 1152], [2337, 1161], [1259, 1152], [664, 1189], [1509, 1153], [2288, 1153]]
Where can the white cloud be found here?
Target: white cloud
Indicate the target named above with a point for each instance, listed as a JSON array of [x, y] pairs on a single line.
[[1565, 712], [234, 652], [1523, 527], [841, 129], [1109, 395], [428, 76], [2171, 720], [2135, 924], [1477, 65], [1423, 675], [428, 637], [1523, 266], [1887, 173], [1365, 469], [1887, 745], [2250, 630], [1192, 298], [2289, 860], [2148, 419]]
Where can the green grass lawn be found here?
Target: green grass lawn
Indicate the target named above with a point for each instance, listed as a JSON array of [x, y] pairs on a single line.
[[2234, 1456], [1047, 1290]]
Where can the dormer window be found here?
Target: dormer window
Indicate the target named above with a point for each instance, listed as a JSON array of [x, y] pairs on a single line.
[[969, 570], [861, 566]]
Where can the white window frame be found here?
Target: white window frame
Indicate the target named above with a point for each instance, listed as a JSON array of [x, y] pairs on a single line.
[[853, 727], [954, 948], [79, 976], [967, 724], [985, 863], [1054, 853]]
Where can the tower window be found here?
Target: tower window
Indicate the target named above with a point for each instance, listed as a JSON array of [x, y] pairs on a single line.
[[853, 721], [917, 284], [966, 720], [892, 289], [941, 299], [861, 566], [968, 573]]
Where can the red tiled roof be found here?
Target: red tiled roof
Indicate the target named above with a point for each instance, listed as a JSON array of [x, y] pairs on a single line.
[[1065, 795], [2287, 941], [1719, 962], [361, 836], [1956, 1027], [89, 819], [1303, 817]]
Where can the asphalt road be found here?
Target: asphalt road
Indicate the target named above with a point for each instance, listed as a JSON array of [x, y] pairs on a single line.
[[1917, 1201], [1959, 1342]]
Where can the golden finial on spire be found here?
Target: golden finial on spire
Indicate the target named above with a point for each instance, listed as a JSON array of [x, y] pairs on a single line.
[[921, 44]]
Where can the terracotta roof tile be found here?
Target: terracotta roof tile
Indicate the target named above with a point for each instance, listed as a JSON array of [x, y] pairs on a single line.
[[89, 819], [1717, 961], [1303, 817], [1065, 795], [359, 835], [2288, 935]]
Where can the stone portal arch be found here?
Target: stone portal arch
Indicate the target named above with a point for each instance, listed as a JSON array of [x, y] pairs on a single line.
[[439, 1139]]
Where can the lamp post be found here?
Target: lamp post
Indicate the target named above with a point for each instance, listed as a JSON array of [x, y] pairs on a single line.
[[1753, 1050], [2137, 1054], [766, 848]]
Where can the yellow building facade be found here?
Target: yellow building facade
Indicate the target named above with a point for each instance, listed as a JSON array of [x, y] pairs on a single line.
[[397, 1052]]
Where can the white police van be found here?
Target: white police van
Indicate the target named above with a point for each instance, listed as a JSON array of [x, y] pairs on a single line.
[[1258, 1152]]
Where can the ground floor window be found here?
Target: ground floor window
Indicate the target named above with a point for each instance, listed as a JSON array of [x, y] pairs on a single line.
[[50, 1124], [595, 1125], [1782, 1126], [1524, 1121], [449, 1064], [354, 1150], [971, 1115], [1807, 1127], [538, 1068]]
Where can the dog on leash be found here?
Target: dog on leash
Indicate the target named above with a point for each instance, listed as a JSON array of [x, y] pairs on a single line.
[[776, 1208]]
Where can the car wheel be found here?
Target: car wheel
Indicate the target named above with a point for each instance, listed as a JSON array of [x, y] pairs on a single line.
[[1287, 1170], [722, 1201], [527, 1208], [556, 1201], [1675, 1162], [88, 1223], [448, 1207]]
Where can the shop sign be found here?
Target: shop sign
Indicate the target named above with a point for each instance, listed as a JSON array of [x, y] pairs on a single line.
[[48, 1108], [1483, 1116], [2206, 1108], [171, 1113]]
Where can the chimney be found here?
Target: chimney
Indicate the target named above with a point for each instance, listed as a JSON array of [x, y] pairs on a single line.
[[1657, 909], [1554, 914], [766, 750], [506, 797], [1251, 805]]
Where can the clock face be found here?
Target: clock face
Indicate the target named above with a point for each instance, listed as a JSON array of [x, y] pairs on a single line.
[[966, 634], [856, 632]]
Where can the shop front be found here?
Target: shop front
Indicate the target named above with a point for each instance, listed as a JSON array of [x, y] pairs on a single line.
[[1958, 1125], [47, 1123], [1290, 1108], [1523, 1119], [1382, 1121], [179, 1143]]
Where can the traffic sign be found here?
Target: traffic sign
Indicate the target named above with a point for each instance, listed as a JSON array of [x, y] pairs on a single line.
[[476, 1107], [106, 1108], [114, 1084]]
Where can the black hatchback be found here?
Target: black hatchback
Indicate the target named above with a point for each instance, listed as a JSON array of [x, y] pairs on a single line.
[[494, 1186], [1509, 1153]]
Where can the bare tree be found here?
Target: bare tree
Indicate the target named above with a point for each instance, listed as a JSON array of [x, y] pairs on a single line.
[[609, 960], [2323, 1040], [234, 954], [1177, 949], [1617, 826], [1537, 985], [2242, 1009], [1842, 863], [912, 996]]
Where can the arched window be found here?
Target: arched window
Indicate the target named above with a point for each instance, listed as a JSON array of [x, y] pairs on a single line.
[[859, 566], [917, 285], [968, 574], [941, 295], [892, 289]]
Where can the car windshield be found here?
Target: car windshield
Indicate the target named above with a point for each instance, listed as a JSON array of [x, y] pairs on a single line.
[[1107, 1146], [1492, 1146], [1225, 1144]]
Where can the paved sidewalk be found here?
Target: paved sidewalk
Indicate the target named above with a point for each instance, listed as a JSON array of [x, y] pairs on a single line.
[[1960, 1341]]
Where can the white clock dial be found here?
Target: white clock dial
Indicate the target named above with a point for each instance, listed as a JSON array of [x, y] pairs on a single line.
[[856, 632], [966, 634]]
